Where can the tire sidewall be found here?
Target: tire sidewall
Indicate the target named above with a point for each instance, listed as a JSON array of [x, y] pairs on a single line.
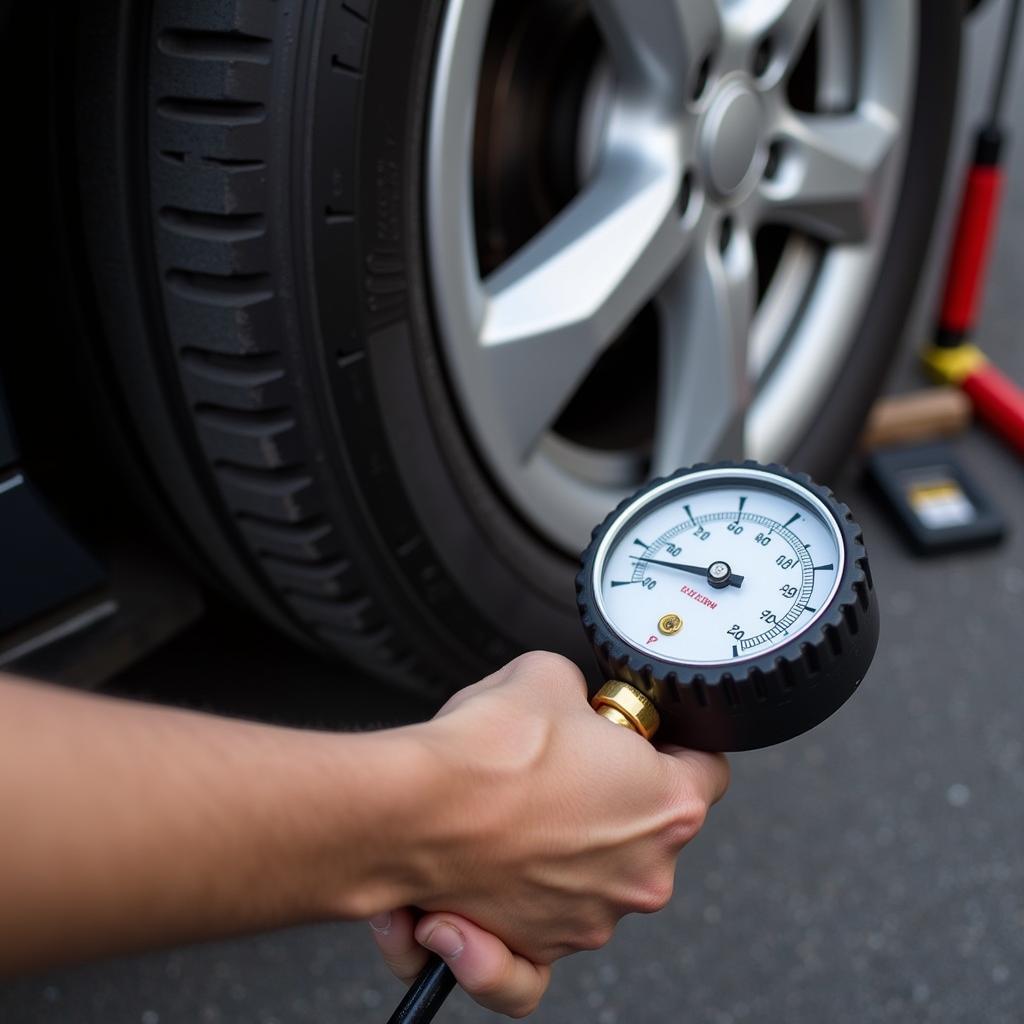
[[522, 587]]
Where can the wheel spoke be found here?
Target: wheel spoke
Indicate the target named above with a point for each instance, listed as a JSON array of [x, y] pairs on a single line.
[[829, 178], [660, 43], [707, 310], [785, 25], [554, 307]]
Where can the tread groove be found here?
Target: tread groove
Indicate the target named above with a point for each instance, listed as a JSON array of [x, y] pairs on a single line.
[[295, 534], [262, 480], [222, 113], [243, 371], [314, 572], [203, 44], [226, 228], [219, 289], [235, 163], [244, 422], [321, 563]]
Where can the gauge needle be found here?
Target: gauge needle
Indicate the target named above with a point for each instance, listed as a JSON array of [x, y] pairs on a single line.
[[734, 580]]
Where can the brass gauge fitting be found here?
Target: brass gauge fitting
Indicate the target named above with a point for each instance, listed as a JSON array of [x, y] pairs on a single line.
[[627, 706]]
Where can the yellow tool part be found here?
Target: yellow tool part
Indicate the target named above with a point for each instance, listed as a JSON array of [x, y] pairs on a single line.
[[954, 365]]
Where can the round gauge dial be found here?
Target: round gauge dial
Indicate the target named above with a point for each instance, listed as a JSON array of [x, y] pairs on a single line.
[[717, 566], [728, 606]]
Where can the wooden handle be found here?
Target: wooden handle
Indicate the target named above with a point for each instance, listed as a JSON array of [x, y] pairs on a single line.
[[918, 416]]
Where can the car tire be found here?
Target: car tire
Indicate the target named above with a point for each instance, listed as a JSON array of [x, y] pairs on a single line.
[[251, 176]]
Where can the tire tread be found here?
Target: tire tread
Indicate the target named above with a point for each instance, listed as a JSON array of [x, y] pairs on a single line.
[[213, 114]]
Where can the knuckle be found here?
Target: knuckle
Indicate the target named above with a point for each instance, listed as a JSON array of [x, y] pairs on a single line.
[[693, 814], [490, 986], [687, 819], [405, 970], [362, 905], [547, 665], [523, 1008], [560, 950], [593, 938], [656, 895], [725, 770]]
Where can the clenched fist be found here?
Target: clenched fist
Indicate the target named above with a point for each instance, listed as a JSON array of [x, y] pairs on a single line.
[[552, 825]]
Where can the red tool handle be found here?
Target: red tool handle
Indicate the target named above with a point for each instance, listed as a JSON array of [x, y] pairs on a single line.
[[998, 401], [971, 248]]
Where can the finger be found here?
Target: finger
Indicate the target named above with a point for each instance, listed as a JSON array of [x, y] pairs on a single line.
[[484, 966], [708, 774], [394, 935]]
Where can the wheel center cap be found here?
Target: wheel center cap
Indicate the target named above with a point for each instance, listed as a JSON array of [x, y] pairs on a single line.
[[731, 138]]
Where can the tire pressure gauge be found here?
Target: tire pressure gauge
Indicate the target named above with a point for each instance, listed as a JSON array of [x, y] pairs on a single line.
[[730, 605]]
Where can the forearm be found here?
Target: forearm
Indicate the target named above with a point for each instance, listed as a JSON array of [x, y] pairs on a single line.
[[126, 826]]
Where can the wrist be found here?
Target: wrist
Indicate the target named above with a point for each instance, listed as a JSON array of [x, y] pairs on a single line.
[[384, 792], [476, 787]]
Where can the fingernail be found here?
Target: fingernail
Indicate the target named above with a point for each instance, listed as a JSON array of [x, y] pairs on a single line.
[[381, 923], [446, 940]]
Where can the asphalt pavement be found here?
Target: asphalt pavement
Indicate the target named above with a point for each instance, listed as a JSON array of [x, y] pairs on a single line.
[[870, 871]]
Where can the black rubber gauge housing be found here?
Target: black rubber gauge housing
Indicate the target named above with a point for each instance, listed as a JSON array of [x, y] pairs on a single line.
[[755, 701]]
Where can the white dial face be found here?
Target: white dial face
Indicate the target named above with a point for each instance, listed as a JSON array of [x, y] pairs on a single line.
[[718, 566]]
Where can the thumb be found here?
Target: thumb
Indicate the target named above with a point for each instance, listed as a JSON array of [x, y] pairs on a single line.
[[483, 965]]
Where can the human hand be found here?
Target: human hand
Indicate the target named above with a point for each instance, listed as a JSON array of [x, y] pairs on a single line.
[[556, 824], [483, 965]]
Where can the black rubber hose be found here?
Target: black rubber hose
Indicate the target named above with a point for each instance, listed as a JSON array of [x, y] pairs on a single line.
[[425, 995], [1002, 75]]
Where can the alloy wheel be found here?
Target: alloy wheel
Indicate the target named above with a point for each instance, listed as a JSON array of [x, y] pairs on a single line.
[[653, 228]]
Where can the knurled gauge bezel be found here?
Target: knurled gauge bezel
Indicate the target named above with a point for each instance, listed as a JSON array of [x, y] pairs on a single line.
[[650, 497], [761, 698]]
